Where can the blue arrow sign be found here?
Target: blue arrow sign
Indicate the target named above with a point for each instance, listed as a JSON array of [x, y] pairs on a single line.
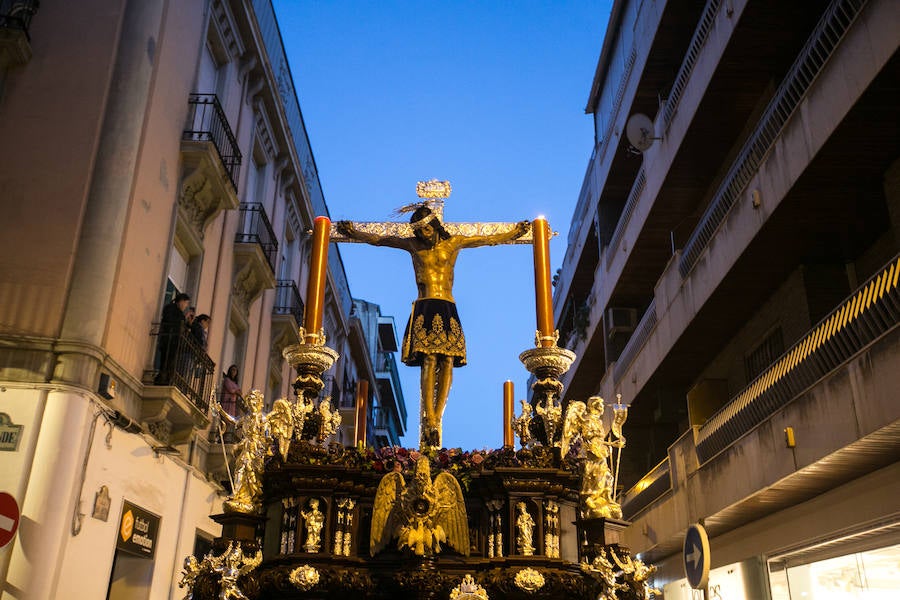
[[696, 556]]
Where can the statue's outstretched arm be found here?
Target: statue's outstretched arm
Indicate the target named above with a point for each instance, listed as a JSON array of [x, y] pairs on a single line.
[[349, 229], [473, 241]]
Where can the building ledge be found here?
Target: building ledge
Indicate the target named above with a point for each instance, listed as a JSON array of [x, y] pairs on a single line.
[[169, 416]]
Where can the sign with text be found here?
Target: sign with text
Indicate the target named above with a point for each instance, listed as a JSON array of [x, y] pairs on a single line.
[[138, 531], [10, 434]]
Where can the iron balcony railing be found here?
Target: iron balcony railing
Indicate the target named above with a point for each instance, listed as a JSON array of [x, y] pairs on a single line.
[[182, 363], [826, 37], [637, 188], [636, 341], [701, 34], [207, 122], [17, 14], [288, 300], [870, 312], [254, 228]]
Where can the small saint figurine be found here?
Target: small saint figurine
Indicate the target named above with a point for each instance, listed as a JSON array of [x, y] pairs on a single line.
[[314, 520], [524, 528]]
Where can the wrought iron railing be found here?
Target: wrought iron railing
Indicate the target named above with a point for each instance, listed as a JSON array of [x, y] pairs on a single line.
[[701, 34], [870, 312], [17, 14], [288, 300], [206, 122], [254, 228], [651, 486], [636, 341], [815, 54], [182, 363], [380, 418], [637, 189], [617, 103]]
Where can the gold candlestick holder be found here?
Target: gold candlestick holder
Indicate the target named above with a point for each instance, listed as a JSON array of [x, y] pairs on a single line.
[[312, 359], [547, 363]]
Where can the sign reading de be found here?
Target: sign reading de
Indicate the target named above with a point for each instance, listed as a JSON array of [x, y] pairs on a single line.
[[9, 518], [696, 556], [138, 531]]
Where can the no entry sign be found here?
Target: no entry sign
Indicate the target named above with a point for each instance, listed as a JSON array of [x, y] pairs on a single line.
[[9, 518]]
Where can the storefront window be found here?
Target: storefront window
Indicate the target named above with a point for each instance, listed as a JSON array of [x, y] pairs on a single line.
[[872, 575]]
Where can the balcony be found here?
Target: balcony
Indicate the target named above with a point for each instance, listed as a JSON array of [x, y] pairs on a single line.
[[385, 432], [211, 161], [15, 42], [287, 315], [207, 122], [255, 249], [178, 388], [869, 313]]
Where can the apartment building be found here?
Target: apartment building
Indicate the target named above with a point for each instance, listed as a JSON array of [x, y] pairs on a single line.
[[148, 149], [732, 271]]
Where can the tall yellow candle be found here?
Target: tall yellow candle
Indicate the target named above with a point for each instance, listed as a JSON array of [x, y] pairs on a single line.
[[318, 269], [508, 403], [362, 410], [542, 289]]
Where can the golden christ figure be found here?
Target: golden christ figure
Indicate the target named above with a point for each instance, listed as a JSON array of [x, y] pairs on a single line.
[[434, 338]]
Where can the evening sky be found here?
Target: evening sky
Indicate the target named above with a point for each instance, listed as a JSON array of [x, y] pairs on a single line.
[[488, 95]]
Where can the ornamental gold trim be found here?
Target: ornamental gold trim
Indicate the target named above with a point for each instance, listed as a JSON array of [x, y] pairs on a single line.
[[529, 581]]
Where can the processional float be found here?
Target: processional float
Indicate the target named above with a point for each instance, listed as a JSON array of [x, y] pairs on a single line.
[[313, 519]]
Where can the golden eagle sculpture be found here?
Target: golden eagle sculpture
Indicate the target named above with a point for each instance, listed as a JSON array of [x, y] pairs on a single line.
[[420, 515]]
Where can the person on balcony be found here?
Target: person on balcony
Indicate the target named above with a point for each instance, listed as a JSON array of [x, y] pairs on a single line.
[[200, 331], [171, 326], [232, 397]]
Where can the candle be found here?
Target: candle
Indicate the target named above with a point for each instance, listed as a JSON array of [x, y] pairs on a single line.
[[315, 288], [508, 400], [542, 293], [362, 411]]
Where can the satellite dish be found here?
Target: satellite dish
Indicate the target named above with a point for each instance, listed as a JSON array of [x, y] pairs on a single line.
[[639, 131]]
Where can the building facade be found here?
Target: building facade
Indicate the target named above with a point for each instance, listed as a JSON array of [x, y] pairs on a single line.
[[732, 271], [148, 149]]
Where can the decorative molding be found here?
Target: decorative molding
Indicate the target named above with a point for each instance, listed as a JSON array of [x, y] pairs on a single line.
[[227, 29], [264, 129]]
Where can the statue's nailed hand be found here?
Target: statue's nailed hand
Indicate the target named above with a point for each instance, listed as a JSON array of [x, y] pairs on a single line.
[[345, 228], [522, 227]]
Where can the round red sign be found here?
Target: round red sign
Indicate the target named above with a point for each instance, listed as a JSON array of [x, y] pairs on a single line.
[[9, 518]]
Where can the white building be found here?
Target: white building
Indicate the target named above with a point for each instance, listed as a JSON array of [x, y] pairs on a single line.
[[147, 148]]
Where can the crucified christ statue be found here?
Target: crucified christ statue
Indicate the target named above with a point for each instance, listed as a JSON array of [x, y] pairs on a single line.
[[434, 338]]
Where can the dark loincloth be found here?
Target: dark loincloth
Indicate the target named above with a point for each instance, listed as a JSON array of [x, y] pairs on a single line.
[[433, 328]]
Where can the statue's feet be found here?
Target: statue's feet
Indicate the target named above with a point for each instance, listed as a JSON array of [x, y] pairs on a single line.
[[431, 438]]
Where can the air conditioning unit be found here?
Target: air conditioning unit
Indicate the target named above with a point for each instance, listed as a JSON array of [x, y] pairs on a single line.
[[620, 320]]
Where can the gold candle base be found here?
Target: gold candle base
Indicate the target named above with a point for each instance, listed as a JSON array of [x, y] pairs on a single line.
[[547, 363], [312, 359]]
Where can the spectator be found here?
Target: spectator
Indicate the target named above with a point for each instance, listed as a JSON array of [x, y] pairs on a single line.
[[232, 397], [189, 315], [200, 331], [170, 329]]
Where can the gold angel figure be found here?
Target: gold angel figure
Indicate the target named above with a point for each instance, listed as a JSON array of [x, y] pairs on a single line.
[[281, 425], [422, 514], [330, 419], [230, 567], [597, 485]]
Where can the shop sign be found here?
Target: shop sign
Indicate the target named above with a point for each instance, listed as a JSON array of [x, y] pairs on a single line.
[[10, 434], [138, 531]]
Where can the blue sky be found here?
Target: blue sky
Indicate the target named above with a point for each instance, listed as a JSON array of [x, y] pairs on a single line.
[[487, 95]]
